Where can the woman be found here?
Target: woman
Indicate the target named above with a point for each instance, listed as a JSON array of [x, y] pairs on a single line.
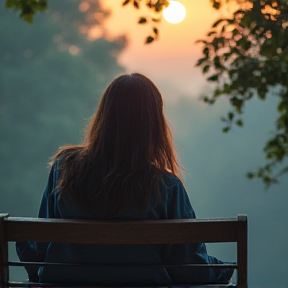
[[126, 168]]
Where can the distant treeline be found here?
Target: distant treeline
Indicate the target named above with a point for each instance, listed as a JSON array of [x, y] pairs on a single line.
[[51, 78]]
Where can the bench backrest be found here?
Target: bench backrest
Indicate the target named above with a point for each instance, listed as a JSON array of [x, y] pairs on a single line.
[[124, 232]]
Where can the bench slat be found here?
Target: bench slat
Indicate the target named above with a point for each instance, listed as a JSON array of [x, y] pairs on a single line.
[[20, 264], [91, 285], [121, 232]]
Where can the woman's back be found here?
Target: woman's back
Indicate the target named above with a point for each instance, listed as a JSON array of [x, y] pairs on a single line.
[[174, 204], [120, 171]]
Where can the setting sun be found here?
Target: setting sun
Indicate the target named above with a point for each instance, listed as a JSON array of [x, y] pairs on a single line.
[[175, 12]]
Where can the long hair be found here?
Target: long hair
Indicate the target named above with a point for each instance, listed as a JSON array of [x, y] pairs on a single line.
[[128, 146]]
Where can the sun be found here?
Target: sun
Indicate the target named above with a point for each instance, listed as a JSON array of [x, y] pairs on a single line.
[[175, 12]]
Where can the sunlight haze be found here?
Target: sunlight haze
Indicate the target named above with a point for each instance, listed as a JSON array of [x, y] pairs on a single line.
[[173, 56]]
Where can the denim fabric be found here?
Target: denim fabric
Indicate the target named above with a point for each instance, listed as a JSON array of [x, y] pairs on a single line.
[[175, 204]]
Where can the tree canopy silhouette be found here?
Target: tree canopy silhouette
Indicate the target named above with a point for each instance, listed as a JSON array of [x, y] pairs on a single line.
[[247, 57]]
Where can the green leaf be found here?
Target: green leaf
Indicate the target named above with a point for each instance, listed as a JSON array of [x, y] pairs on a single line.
[[282, 106], [201, 41], [206, 51], [226, 129], [28, 18], [216, 4], [10, 3], [149, 39], [244, 43], [208, 100], [142, 20], [218, 22], [218, 92], [239, 123], [125, 2], [201, 61], [42, 5], [261, 92], [136, 4], [237, 103], [206, 69], [217, 63], [226, 56], [155, 30], [250, 175], [211, 33], [230, 115], [159, 6], [213, 78], [239, 11]]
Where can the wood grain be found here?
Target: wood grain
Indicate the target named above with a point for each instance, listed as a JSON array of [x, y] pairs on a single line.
[[127, 232]]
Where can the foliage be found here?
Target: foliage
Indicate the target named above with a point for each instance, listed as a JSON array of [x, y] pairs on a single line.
[[247, 56], [27, 8], [155, 7]]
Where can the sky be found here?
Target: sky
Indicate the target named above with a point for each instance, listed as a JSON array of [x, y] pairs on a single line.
[[171, 59]]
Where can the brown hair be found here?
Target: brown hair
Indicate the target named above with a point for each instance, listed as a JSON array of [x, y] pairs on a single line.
[[128, 145]]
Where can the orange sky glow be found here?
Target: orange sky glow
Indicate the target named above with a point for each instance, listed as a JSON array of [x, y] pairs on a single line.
[[171, 59]]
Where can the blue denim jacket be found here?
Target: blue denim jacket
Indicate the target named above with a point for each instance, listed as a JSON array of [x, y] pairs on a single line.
[[174, 205]]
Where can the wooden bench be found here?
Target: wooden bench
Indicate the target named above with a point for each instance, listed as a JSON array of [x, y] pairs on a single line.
[[123, 232]]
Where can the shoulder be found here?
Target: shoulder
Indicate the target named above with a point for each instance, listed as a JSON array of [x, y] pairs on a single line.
[[65, 156], [67, 153], [170, 181], [172, 187], [176, 198]]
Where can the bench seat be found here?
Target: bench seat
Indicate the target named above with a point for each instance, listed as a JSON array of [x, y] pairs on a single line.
[[122, 232]]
